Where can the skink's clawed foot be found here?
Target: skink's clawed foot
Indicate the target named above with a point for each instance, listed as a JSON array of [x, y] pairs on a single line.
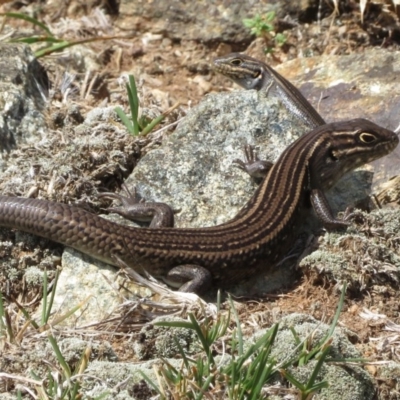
[[343, 223], [349, 214], [324, 212], [255, 167], [126, 201], [197, 279], [135, 209], [348, 217]]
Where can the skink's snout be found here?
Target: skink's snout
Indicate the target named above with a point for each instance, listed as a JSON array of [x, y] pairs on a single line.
[[395, 139]]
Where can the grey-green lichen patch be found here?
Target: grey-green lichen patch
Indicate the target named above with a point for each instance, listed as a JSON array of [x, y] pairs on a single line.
[[33, 276], [72, 165], [158, 341], [9, 396], [347, 382], [24, 256], [389, 375], [367, 255], [105, 378], [72, 350]]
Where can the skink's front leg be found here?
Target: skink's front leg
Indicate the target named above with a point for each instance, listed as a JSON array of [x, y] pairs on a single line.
[[255, 167], [324, 212]]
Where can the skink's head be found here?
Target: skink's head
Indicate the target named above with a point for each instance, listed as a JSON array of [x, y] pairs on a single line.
[[243, 70], [348, 145]]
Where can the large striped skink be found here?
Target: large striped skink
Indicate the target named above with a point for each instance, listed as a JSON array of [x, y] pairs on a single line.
[[257, 238]]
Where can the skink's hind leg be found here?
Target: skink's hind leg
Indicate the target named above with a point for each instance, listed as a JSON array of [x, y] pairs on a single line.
[[255, 167], [189, 278], [160, 214]]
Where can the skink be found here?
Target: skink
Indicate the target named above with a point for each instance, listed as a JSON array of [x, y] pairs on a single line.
[[254, 74], [257, 238]]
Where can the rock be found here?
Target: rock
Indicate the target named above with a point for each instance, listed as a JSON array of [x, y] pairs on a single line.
[[23, 90], [179, 20]]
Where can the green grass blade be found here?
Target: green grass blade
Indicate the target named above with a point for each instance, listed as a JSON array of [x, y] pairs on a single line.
[[219, 301], [293, 380], [44, 300], [205, 387], [37, 39], [59, 356], [238, 328], [125, 119], [262, 374], [28, 19], [52, 49], [134, 93], [175, 324], [151, 383], [74, 392], [201, 336], [317, 368], [133, 103], [2, 316], [182, 353], [338, 310], [53, 293], [149, 127], [320, 345], [26, 315], [63, 44]]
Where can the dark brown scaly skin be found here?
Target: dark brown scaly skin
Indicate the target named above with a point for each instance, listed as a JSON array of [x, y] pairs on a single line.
[[257, 238], [251, 73]]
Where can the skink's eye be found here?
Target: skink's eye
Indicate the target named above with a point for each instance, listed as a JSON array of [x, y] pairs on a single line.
[[367, 137], [236, 61]]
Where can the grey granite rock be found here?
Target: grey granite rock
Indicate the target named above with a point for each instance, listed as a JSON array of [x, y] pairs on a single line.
[[23, 87], [205, 21]]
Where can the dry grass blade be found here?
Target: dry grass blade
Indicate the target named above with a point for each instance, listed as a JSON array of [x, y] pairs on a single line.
[[363, 5], [18, 378], [336, 5]]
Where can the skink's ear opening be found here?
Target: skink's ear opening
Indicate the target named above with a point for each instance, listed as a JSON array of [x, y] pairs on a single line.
[[333, 155], [259, 73]]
